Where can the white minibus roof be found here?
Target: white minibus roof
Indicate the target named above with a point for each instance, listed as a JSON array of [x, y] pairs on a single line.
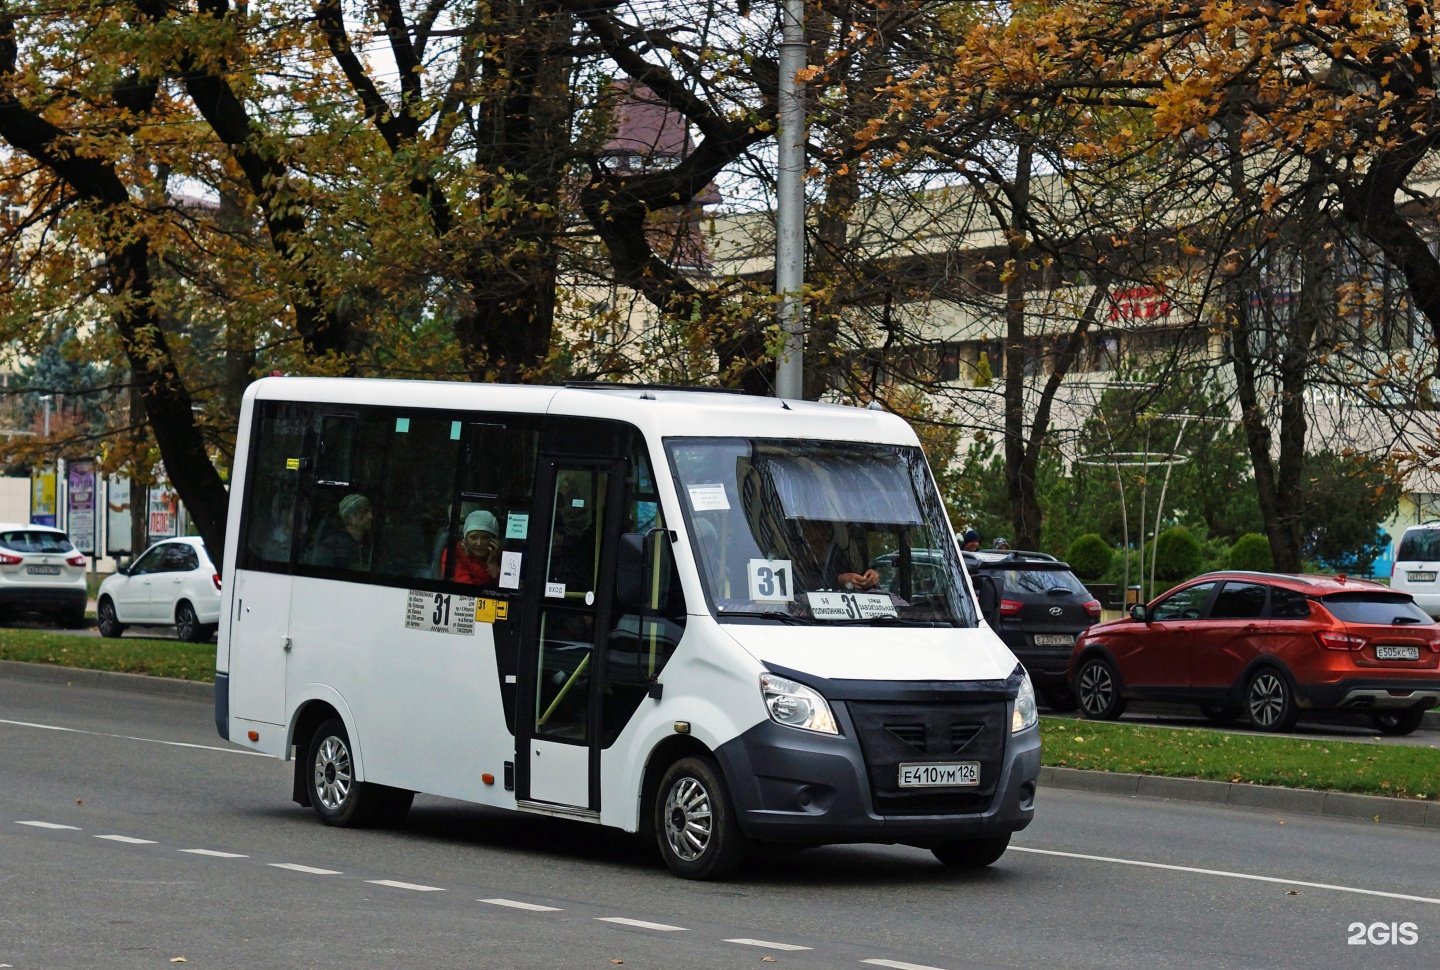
[[658, 412]]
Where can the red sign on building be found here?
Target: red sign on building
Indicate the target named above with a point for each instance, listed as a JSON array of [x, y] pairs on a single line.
[[1139, 303]]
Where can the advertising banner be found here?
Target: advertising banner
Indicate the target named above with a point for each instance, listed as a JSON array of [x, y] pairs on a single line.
[[117, 517], [42, 496], [163, 512], [80, 505]]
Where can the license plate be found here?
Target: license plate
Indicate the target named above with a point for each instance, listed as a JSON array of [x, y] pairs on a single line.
[[1054, 640], [1397, 653], [956, 774], [43, 570], [1420, 577]]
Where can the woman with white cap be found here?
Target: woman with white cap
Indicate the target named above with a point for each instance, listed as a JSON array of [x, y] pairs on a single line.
[[477, 555]]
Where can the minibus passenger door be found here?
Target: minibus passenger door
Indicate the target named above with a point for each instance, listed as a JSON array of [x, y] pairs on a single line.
[[558, 754]]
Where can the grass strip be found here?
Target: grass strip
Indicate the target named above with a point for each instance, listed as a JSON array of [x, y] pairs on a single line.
[[1402, 771], [130, 655]]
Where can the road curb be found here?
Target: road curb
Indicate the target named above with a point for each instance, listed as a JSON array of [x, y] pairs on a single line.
[[1299, 801], [136, 683]]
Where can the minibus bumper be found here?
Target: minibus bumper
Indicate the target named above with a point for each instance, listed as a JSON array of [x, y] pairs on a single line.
[[802, 787]]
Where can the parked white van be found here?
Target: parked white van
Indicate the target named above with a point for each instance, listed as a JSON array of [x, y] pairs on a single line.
[[645, 608], [1416, 569]]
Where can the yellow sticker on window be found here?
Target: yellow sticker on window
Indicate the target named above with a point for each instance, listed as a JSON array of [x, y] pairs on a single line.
[[488, 611], [292, 464]]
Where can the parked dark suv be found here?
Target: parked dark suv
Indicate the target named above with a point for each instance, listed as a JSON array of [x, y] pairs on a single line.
[[1038, 607]]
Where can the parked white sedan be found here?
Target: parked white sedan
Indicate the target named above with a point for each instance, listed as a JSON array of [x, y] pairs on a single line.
[[174, 582]]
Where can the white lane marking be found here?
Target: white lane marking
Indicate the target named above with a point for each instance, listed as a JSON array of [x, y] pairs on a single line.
[[1229, 875], [769, 945], [405, 885], [640, 923], [127, 840], [897, 965], [297, 867], [50, 825], [217, 855], [126, 737], [516, 904]]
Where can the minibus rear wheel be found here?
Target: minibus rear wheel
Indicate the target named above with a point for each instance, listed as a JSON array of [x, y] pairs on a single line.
[[971, 853], [337, 797], [695, 821]]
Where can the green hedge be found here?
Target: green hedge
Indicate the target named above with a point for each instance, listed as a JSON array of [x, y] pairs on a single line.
[[1252, 551], [1177, 554], [1089, 556]]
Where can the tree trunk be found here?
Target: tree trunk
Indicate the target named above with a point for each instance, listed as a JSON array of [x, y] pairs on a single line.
[[513, 294], [166, 401], [1287, 335], [126, 251], [1025, 512]]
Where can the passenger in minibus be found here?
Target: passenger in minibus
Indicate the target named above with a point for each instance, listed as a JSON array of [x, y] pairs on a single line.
[[348, 546], [477, 554]]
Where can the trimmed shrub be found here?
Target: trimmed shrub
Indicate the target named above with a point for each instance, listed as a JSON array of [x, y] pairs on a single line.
[[1252, 551], [1177, 554], [1089, 556]]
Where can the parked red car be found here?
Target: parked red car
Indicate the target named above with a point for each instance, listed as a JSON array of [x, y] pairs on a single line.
[[1268, 646]]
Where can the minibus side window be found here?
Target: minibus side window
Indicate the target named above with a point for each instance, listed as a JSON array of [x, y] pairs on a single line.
[[413, 501], [384, 494], [337, 528], [274, 471], [495, 490]]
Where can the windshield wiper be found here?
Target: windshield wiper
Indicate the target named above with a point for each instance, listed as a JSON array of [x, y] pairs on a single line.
[[765, 615], [1404, 621], [885, 621]]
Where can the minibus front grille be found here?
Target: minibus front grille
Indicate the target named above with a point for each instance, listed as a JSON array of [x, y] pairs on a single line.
[[892, 733], [912, 734]]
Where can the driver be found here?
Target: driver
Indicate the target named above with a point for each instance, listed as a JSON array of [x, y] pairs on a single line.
[[842, 556]]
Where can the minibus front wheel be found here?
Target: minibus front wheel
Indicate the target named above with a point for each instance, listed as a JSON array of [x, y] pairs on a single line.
[[695, 821]]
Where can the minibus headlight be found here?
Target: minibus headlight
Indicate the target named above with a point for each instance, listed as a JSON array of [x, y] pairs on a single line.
[[1026, 712], [796, 705]]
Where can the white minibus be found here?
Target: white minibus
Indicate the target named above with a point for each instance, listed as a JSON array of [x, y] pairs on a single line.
[[653, 609]]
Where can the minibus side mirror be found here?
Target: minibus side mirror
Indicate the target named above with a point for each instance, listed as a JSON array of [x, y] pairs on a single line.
[[988, 595], [642, 558], [630, 573]]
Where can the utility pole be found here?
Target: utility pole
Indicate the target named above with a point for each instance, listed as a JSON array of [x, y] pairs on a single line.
[[790, 202]]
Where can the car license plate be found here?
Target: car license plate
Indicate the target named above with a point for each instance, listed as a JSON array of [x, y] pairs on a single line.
[[1420, 577], [1397, 653], [43, 570], [961, 774], [1054, 640]]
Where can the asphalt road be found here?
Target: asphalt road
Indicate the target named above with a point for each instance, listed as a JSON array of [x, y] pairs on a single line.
[[1096, 882]]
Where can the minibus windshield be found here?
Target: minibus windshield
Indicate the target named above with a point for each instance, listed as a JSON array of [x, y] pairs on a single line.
[[819, 532]]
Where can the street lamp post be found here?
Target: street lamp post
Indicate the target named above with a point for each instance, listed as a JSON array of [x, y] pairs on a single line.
[[790, 202]]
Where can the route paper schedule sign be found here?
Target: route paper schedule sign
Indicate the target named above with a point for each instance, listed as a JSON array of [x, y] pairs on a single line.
[[440, 612]]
